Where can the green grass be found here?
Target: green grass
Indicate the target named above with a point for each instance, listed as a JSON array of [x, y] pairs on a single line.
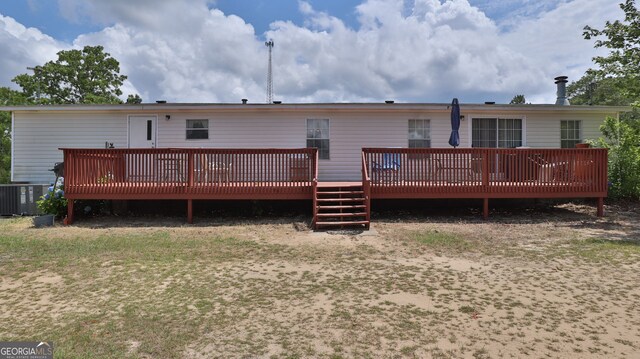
[[444, 241], [598, 250], [239, 292], [159, 245], [590, 249]]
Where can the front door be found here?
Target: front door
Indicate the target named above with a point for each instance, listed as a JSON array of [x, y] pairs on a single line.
[[142, 131]]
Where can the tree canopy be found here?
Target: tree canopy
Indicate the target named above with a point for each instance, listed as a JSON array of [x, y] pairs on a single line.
[[88, 76], [595, 89], [616, 81], [518, 100], [619, 71], [7, 97], [134, 99]]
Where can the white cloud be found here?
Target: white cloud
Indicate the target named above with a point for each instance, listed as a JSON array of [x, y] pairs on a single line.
[[428, 52], [214, 59], [554, 40], [21, 47], [407, 50]]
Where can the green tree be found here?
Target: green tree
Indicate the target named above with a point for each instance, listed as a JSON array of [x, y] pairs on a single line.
[[85, 76], [8, 97], [595, 89], [616, 81], [622, 38], [134, 99], [88, 76], [518, 100], [623, 141]]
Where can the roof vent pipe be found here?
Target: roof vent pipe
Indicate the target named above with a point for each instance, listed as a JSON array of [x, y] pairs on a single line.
[[561, 82], [244, 101]]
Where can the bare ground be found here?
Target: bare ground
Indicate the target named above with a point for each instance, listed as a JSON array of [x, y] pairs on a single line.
[[552, 283]]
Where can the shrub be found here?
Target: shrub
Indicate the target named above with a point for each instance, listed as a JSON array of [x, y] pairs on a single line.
[[622, 138], [53, 202]]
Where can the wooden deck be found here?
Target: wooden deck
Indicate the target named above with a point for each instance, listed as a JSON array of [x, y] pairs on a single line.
[[266, 174], [189, 174], [486, 173]]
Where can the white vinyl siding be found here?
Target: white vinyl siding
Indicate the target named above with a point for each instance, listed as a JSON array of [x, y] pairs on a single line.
[[236, 130], [37, 137], [350, 132], [543, 129], [570, 134]]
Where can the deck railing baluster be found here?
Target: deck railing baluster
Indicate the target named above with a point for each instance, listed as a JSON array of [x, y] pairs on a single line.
[[269, 173], [488, 173]]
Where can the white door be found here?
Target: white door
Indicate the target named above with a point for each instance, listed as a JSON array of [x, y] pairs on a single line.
[[142, 131]]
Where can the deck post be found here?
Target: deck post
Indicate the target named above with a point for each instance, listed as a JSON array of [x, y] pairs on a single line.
[[600, 206], [69, 219], [485, 208], [190, 211]]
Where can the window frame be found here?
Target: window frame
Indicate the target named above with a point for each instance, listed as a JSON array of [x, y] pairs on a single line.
[[187, 129], [328, 139], [425, 121], [571, 140], [497, 118]]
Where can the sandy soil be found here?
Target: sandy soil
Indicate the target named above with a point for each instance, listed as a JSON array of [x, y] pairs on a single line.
[[551, 283]]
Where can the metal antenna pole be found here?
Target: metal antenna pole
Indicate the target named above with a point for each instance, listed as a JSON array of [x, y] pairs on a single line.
[[269, 44]]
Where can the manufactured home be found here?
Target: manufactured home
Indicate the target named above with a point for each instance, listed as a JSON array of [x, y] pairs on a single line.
[[337, 155]]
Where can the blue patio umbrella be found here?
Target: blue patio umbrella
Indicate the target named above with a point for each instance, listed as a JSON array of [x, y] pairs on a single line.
[[454, 140]]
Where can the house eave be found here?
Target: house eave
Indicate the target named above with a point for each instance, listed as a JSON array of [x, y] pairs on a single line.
[[300, 107]]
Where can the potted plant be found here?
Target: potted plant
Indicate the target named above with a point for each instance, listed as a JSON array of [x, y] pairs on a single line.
[[52, 204]]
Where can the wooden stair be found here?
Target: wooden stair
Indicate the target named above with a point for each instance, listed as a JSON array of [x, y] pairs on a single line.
[[341, 205]]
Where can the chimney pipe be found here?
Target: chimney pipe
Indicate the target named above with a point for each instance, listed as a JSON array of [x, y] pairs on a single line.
[[561, 82], [244, 101]]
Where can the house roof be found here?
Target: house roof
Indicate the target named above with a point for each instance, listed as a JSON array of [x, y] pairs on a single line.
[[286, 107]]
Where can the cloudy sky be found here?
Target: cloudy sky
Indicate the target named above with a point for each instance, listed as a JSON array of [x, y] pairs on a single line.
[[325, 51]]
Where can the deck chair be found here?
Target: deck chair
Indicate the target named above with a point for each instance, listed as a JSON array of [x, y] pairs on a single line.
[[548, 171], [213, 171], [389, 167]]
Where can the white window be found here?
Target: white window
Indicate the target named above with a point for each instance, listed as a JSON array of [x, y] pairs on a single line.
[[496, 132], [570, 134], [197, 129], [318, 136], [419, 133]]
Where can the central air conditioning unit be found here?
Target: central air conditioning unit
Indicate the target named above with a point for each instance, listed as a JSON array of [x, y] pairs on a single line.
[[20, 199]]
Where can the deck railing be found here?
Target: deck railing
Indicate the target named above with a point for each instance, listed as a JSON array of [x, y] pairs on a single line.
[[486, 172], [190, 173], [315, 191], [366, 186]]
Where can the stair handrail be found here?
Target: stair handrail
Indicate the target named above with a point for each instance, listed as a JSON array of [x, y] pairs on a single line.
[[366, 186], [315, 187]]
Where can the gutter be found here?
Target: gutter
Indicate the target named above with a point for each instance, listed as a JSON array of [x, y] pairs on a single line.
[[338, 107]]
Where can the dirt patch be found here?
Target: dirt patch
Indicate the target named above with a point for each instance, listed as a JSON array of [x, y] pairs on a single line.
[[558, 283]]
